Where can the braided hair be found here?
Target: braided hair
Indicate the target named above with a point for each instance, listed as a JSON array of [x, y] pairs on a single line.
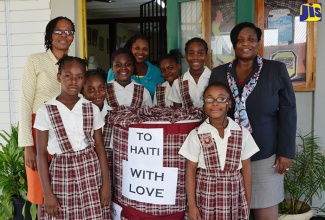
[[65, 59], [196, 39], [50, 28]]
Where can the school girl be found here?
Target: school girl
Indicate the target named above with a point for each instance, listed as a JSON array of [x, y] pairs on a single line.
[[187, 89], [76, 182], [170, 67], [218, 170], [146, 73], [39, 84], [94, 90], [123, 90]]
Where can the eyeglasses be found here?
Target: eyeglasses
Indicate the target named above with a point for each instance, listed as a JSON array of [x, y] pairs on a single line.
[[219, 100], [67, 32]]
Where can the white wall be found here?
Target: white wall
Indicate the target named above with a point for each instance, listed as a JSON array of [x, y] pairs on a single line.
[[319, 97], [4, 76], [67, 8], [22, 27]]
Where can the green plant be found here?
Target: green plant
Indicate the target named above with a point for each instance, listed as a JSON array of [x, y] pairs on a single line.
[[306, 177], [13, 182]]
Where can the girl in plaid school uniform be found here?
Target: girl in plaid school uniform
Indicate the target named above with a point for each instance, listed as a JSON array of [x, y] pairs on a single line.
[[218, 170], [147, 74], [170, 67], [76, 182], [123, 90], [94, 90], [187, 89]]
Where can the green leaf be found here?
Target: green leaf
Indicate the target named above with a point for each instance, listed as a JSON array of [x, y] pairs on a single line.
[[33, 211], [12, 172], [306, 178]]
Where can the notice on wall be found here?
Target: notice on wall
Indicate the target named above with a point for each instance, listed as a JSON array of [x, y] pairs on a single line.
[[150, 184], [145, 146]]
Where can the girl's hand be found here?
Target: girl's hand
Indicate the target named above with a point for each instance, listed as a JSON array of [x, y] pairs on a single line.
[[194, 213], [51, 204], [105, 195]]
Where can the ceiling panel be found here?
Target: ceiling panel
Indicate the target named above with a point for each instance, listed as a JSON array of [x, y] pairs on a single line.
[[117, 9]]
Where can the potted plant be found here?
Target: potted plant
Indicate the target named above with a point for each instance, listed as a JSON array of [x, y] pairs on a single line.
[[305, 180], [13, 184]]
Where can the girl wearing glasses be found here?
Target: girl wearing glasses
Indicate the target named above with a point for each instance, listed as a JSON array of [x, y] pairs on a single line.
[[39, 84], [218, 170]]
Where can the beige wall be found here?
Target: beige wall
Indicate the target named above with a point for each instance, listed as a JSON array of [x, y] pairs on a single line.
[[317, 103]]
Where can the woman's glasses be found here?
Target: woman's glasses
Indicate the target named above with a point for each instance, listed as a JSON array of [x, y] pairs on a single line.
[[219, 100], [67, 32]]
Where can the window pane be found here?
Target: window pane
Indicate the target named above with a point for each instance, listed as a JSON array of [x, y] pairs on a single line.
[[285, 37], [191, 25], [222, 22]]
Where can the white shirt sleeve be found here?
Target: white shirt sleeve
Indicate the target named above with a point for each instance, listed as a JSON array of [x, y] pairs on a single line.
[[147, 101], [191, 148], [41, 120], [154, 99], [249, 147], [98, 120], [175, 95]]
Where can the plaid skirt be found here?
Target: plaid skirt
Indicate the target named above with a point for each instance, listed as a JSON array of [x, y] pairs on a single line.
[[174, 136], [109, 156], [75, 181], [221, 195]]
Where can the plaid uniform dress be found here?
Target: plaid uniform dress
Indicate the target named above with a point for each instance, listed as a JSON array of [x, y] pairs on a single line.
[[107, 134], [75, 175], [220, 193], [136, 100], [185, 92], [160, 95]]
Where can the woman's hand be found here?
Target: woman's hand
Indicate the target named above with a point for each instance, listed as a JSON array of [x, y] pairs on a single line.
[[105, 195], [283, 163], [30, 157], [51, 204], [194, 213]]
